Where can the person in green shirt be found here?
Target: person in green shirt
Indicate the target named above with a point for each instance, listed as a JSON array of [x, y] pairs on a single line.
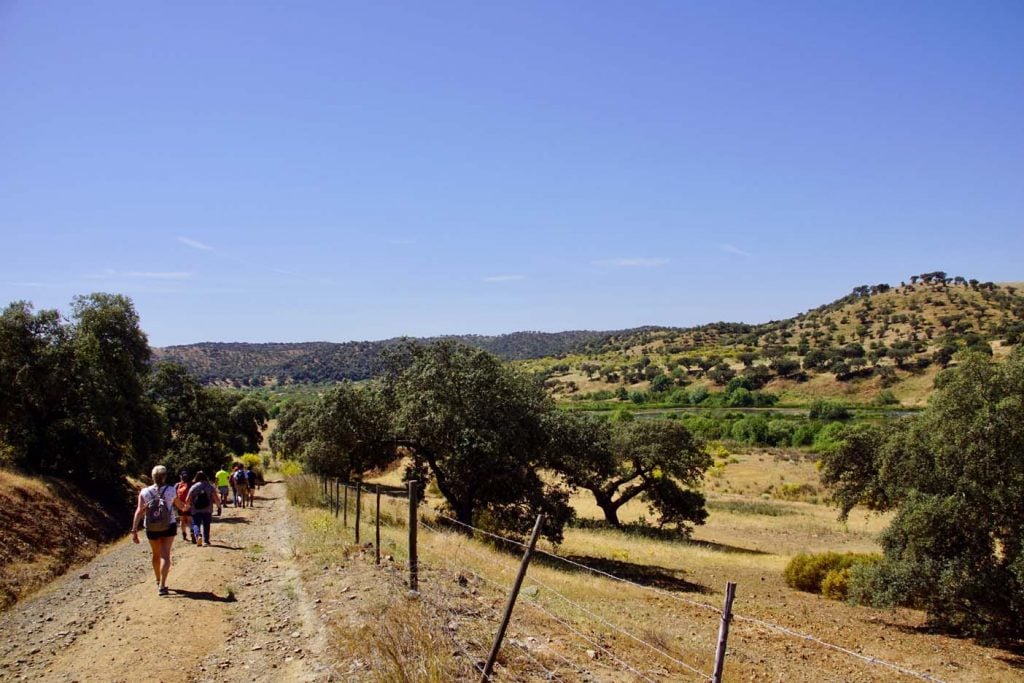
[[222, 487]]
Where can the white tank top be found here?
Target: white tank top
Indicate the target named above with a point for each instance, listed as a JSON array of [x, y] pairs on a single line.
[[170, 493]]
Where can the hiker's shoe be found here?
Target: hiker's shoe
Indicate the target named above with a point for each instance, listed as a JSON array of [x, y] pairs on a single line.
[[163, 590], [199, 541]]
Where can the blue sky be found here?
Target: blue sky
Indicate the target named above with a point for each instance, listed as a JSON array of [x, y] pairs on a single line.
[[268, 171]]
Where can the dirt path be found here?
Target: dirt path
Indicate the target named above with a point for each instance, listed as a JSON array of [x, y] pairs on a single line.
[[237, 611]]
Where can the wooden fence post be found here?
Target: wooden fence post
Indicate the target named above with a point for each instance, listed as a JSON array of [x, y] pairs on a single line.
[[334, 498], [489, 668], [344, 509], [359, 507], [723, 632], [377, 525], [414, 583]]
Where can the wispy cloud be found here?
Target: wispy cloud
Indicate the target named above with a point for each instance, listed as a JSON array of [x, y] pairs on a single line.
[[195, 244], [637, 262], [732, 249], [502, 278], [109, 274]]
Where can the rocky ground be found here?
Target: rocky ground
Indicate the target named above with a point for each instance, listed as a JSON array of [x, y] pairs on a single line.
[[238, 611]]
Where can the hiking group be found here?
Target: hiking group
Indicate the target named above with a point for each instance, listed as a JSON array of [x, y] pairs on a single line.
[[191, 503]]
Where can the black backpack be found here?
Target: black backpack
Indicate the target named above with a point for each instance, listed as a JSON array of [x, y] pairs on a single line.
[[158, 515], [202, 499]]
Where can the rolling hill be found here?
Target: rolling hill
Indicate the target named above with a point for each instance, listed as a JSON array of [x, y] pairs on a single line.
[[878, 337]]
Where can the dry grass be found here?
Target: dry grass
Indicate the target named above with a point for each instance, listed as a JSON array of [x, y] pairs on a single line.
[[572, 624]]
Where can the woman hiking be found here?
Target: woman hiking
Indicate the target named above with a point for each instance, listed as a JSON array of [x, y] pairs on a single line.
[[158, 505], [185, 518]]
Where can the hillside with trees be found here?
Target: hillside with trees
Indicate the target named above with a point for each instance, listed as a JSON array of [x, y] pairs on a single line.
[[879, 343]]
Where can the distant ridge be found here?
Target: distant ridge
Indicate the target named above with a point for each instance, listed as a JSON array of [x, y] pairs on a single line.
[[248, 364], [904, 325]]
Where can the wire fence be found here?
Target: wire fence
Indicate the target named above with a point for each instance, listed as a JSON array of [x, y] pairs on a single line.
[[569, 610]]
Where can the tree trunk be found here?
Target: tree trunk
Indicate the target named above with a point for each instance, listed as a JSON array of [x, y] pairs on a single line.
[[608, 506]]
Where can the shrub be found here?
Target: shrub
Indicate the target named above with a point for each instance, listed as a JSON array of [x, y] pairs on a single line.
[[826, 573], [828, 410], [290, 468], [796, 492]]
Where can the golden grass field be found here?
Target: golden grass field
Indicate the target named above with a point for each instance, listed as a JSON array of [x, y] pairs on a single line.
[[660, 624]]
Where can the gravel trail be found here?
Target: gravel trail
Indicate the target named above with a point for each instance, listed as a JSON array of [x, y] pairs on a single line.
[[238, 611]]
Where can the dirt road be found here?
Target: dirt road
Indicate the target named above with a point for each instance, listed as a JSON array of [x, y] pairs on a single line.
[[237, 611]]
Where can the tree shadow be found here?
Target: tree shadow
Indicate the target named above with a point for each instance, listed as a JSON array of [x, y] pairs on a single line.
[[1013, 649], [646, 575], [208, 596], [229, 520], [725, 548], [225, 546]]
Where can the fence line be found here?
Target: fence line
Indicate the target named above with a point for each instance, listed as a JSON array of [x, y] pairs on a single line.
[[811, 638], [592, 614], [504, 589], [566, 560], [739, 617]]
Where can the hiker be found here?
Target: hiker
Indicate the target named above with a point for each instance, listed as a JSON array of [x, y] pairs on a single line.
[[250, 479], [223, 477], [158, 505], [234, 489], [241, 485], [202, 497], [185, 518]]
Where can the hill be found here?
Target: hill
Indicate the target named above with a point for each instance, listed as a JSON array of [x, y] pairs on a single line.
[[877, 338], [244, 364]]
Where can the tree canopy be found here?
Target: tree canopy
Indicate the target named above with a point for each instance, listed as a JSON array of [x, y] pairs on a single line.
[[477, 427], [955, 476], [659, 461]]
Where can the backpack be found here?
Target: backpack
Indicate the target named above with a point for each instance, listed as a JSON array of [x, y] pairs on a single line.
[[202, 499], [250, 478], [240, 479], [182, 491], [158, 515]]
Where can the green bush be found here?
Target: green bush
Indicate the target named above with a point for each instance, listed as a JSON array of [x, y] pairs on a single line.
[[826, 573], [828, 410]]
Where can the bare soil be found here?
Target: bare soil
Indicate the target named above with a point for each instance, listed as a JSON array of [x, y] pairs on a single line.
[[237, 611]]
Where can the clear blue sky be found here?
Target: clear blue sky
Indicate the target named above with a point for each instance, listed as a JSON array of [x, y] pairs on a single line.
[[298, 171]]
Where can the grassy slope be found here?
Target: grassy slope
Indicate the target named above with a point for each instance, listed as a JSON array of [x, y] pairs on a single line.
[[49, 526], [912, 312]]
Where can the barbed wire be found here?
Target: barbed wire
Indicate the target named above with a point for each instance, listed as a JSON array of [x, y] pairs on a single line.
[[839, 648], [694, 603], [504, 590], [580, 565], [595, 616]]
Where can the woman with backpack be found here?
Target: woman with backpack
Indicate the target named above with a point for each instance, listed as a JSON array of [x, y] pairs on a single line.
[[158, 506], [202, 497], [184, 519]]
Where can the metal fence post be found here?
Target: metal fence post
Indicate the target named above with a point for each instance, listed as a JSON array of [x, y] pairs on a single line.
[[489, 668], [377, 524], [723, 632], [359, 507], [344, 509], [414, 583]]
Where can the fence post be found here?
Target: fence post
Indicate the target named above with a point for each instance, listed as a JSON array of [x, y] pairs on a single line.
[[723, 632], [377, 525], [344, 508], [334, 498], [414, 582], [359, 507], [500, 635]]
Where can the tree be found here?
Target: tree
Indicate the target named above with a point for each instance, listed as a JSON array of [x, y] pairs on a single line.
[[202, 426], [659, 461], [73, 401], [955, 477], [478, 428], [347, 433]]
